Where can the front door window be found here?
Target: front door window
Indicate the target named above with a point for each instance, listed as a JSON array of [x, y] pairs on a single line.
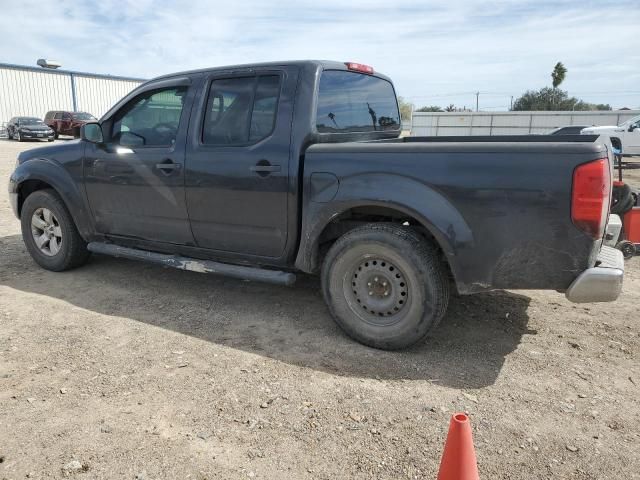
[[150, 120]]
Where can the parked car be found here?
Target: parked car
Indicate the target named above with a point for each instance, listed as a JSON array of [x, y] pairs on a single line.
[[626, 134], [67, 123], [28, 128], [259, 171], [569, 130]]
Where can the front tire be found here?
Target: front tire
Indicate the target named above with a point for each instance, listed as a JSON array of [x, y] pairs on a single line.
[[385, 285], [18, 137], [50, 234]]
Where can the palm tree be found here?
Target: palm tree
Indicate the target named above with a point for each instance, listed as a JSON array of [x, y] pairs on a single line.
[[558, 74]]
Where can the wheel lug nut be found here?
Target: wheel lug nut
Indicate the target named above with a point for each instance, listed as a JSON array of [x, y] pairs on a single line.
[[368, 284], [386, 294], [370, 293], [375, 279], [384, 284]]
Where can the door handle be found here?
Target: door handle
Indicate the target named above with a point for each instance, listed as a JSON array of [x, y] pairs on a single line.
[[168, 166], [264, 168]]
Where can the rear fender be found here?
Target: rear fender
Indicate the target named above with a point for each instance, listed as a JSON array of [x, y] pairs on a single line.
[[422, 203]]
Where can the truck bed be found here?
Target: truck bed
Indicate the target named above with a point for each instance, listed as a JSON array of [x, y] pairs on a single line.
[[499, 206]]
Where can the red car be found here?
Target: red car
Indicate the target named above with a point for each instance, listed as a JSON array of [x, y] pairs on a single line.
[[67, 123]]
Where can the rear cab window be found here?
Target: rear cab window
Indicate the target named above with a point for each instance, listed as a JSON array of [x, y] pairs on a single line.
[[351, 102]]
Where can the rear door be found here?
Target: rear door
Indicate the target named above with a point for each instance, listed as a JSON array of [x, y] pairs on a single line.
[[238, 162], [135, 181]]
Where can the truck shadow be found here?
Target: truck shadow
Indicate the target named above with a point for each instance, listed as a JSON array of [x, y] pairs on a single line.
[[291, 325]]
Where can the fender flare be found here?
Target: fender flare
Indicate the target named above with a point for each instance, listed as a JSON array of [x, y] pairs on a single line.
[[415, 199], [50, 172]]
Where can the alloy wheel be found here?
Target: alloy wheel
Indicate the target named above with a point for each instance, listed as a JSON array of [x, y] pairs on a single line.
[[46, 231]]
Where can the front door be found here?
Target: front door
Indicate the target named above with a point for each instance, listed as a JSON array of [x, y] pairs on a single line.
[[237, 180], [631, 141], [135, 181]]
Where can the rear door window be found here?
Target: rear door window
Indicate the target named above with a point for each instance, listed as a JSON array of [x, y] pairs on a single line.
[[241, 110], [354, 102]]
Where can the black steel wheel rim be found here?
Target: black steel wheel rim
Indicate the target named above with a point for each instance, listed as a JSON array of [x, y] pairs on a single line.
[[377, 290]]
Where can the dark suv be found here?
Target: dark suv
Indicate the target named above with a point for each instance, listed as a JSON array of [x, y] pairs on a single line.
[[23, 128], [67, 123]]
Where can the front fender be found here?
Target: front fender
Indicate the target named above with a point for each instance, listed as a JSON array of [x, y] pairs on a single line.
[[407, 195], [68, 184]]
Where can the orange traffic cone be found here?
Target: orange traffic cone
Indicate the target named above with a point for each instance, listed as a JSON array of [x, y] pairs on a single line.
[[459, 457]]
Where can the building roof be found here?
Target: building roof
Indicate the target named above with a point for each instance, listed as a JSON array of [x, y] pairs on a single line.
[[69, 72]]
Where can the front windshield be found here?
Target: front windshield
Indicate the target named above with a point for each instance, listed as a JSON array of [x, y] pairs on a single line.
[[631, 121], [83, 116], [30, 121]]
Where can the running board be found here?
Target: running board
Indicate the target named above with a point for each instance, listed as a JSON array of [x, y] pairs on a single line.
[[194, 265]]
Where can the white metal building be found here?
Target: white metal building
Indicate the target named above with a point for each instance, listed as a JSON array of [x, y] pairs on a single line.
[[509, 123], [33, 91]]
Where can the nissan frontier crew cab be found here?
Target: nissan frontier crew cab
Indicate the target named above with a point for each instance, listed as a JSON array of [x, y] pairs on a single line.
[[261, 171]]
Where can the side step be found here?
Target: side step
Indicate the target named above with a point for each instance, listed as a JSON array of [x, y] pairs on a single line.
[[194, 265]]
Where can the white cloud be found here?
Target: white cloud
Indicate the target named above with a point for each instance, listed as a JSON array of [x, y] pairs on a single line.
[[431, 49]]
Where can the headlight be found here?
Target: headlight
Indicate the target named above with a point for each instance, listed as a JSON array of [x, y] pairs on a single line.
[[24, 129]]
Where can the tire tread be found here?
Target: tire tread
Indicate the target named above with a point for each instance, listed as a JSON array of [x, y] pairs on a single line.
[[429, 264], [76, 253]]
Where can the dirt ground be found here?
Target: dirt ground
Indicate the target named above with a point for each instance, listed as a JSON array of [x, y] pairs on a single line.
[[127, 370]]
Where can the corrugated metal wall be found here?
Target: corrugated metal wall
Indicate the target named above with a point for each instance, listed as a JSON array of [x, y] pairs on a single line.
[[97, 95], [30, 91], [509, 123]]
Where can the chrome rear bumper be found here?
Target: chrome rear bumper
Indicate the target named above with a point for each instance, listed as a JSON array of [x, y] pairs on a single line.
[[602, 283]]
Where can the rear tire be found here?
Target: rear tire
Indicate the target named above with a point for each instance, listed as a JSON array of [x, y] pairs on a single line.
[[627, 248], [385, 285], [49, 233]]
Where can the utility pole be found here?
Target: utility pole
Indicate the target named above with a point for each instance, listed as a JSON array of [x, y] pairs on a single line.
[[477, 98]]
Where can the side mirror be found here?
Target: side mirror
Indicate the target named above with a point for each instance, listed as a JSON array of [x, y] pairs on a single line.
[[92, 132], [633, 127]]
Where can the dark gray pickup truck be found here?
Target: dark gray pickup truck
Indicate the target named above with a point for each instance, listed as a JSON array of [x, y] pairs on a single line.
[[260, 171]]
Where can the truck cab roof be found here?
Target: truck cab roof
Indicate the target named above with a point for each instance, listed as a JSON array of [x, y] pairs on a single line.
[[318, 64]]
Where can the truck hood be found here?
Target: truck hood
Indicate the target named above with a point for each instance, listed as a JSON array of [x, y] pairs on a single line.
[[60, 152], [603, 129]]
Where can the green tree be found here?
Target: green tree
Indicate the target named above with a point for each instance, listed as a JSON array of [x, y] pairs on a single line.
[[430, 108], [405, 108], [558, 74], [553, 99]]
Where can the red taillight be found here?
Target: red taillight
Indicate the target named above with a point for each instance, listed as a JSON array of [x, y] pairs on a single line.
[[359, 67], [590, 196]]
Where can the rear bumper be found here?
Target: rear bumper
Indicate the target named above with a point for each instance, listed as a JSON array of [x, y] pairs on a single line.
[[602, 283]]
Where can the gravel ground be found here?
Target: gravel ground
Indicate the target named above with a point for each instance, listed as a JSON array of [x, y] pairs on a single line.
[[126, 370]]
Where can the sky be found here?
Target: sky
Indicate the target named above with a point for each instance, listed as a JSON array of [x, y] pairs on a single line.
[[437, 52]]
